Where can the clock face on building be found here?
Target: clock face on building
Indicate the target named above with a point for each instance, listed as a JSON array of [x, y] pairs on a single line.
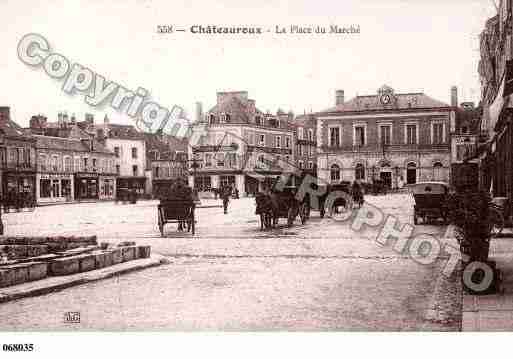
[[385, 99]]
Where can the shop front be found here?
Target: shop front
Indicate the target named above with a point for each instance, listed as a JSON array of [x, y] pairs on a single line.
[[107, 189], [54, 187], [132, 183], [18, 189], [86, 186]]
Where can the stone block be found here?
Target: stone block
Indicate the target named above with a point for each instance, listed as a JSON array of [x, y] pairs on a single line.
[[99, 259], [108, 258], [87, 262], [117, 256], [6, 277], [20, 273], [143, 251], [37, 270], [126, 244], [65, 266], [128, 253], [37, 250]]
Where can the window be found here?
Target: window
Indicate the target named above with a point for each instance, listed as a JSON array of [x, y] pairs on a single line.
[[311, 150], [208, 160], [227, 118], [56, 188], [157, 172], [300, 133], [42, 162], [359, 135], [359, 172], [55, 164], [67, 164], [335, 173], [45, 188], [212, 119], [118, 170], [310, 165], [94, 164], [77, 164], [220, 159], [310, 135], [438, 171], [135, 170], [287, 142], [262, 140], [385, 134], [278, 141], [301, 164], [334, 136], [411, 134], [437, 131], [134, 152], [116, 151], [85, 164], [299, 150]]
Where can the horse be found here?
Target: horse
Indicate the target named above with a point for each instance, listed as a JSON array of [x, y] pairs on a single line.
[[266, 208]]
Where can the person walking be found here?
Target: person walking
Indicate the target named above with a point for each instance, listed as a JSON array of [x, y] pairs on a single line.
[[225, 196], [357, 193]]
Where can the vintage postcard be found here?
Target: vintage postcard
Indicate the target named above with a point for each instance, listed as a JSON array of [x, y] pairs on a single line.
[[242, 166]]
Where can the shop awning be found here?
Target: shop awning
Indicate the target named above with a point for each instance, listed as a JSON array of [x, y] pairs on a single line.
[[496, 107], [256, 176]]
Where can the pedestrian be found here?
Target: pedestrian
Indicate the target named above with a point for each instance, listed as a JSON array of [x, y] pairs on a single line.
[[357, 193], [225, 196]]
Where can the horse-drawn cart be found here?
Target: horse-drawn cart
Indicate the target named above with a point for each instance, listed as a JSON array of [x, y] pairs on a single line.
[[281, 204], [430, 201], [177, 211]]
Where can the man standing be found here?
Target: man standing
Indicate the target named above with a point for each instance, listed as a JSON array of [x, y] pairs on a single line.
[[225, 196]]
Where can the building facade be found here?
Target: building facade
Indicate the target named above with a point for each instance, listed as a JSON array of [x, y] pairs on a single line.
[[398, 138], [306, 144], [495, 148], [166, 158], [129, 148], [17, 163], [72, 169], [236, 144]]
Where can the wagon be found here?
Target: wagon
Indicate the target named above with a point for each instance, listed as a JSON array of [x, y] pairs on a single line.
[[281, 204], [430, 201], [176, 211], [327, 190]]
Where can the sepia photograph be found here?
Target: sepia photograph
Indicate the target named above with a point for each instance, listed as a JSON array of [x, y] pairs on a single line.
[[239, 166]]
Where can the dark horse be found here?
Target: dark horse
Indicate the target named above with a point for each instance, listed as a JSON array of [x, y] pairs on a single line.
[[266, 207]]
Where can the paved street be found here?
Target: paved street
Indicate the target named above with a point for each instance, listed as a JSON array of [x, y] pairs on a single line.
[[232, 276]]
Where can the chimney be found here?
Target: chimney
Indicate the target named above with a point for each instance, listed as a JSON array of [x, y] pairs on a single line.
[[339, 97], [105, 120], [199, 112], [454, 96], [5, 114]]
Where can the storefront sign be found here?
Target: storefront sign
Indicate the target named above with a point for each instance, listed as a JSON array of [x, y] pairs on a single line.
[[54, 176], [87, 175]]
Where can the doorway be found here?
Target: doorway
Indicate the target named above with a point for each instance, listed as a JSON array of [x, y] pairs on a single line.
[[411, 173], [386, 177]]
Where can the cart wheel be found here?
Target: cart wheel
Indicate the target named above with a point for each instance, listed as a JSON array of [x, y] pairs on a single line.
[[193, 224], [290, 217], [303, 213]]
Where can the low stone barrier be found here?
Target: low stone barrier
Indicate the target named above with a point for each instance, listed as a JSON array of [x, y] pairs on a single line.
[[26, 247]]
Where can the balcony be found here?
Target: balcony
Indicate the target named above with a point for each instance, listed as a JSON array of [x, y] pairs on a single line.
[[18, 166]]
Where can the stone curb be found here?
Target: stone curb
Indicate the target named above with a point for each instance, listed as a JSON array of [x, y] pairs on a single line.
[[52, 284], [446, 303]]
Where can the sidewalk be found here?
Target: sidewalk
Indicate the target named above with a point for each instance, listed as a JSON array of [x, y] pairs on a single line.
[[51, 284], [493, 312]]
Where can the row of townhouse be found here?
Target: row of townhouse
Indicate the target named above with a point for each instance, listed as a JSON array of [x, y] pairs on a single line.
[[68, 160], [399, 138]]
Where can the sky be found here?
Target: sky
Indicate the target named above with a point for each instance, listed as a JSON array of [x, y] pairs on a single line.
[[412, 46]]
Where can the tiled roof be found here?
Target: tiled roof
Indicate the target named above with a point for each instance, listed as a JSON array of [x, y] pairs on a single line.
[[68, 144], [407, 101], [123, 132], [166, 146], [11, 128], [234, 106]]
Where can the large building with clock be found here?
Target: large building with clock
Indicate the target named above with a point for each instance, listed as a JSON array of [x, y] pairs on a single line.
[[396, 137]]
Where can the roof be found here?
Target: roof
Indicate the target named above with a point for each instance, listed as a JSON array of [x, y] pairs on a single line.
[[237, 109], [12, 129], [401, 101], [166, 145], [68, 144]]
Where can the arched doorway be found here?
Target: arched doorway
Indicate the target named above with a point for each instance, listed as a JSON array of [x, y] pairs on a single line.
[[335, 173], [411, 173], [438, 171], [385, 174], [359, 172]]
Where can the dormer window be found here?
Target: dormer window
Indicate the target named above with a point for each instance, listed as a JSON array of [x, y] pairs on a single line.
[[227, 117]]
